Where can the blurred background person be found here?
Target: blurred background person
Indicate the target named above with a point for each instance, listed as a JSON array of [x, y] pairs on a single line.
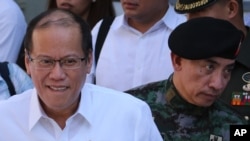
[[135, 51], [13, 80], [12, 30], [90, 10]]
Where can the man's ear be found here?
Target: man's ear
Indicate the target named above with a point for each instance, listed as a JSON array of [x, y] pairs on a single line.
[[233, 8], [27, 62], [176, 61], [89, 62]]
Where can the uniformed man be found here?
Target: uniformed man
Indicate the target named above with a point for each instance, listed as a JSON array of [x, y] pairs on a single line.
[[185, 107], [237, 92]]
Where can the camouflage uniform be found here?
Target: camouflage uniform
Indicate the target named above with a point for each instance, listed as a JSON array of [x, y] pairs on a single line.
[[178, 120]]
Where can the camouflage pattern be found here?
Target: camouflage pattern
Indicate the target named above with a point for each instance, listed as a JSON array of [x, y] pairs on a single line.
[[178, 120]]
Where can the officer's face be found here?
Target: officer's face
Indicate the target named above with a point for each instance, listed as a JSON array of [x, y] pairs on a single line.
[[201, 82]]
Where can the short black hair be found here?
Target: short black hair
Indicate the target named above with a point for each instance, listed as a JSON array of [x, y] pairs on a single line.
[[75, 19]]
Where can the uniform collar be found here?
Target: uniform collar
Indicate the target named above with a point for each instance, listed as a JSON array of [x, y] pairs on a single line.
[[174, 99]]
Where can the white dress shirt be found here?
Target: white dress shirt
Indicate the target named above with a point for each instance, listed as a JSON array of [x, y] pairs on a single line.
[[130, 58], [12, 30], [103, 115]]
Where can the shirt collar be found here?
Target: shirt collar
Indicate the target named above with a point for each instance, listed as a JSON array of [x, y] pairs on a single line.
[[170, 19], [85, 108], [35, 112]]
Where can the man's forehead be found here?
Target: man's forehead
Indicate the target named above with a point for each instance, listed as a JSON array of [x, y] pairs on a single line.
[[57, 18]]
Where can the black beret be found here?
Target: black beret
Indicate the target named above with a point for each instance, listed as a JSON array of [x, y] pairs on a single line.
[[205, 37], [186, 6]]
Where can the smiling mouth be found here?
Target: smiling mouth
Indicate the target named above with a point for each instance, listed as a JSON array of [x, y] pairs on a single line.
[[58, 88]]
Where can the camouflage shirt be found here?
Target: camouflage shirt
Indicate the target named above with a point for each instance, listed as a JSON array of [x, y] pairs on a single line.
[[178, 120]]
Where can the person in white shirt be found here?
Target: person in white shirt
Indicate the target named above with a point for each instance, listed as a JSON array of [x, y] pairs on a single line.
[[62, 106], [13, 28], [135, 51]]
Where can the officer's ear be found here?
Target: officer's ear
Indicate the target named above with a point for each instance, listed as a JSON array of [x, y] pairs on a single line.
[[176, 61]]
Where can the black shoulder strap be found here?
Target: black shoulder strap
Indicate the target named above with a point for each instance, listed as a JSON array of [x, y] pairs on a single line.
[[4, 71], [103, 31]]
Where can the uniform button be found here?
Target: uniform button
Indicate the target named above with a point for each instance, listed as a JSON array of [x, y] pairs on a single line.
[[247, 118]]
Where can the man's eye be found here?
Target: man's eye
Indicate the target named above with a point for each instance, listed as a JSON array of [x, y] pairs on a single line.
[[46, 61], [70, 61], [209, 67], [229, 70]]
